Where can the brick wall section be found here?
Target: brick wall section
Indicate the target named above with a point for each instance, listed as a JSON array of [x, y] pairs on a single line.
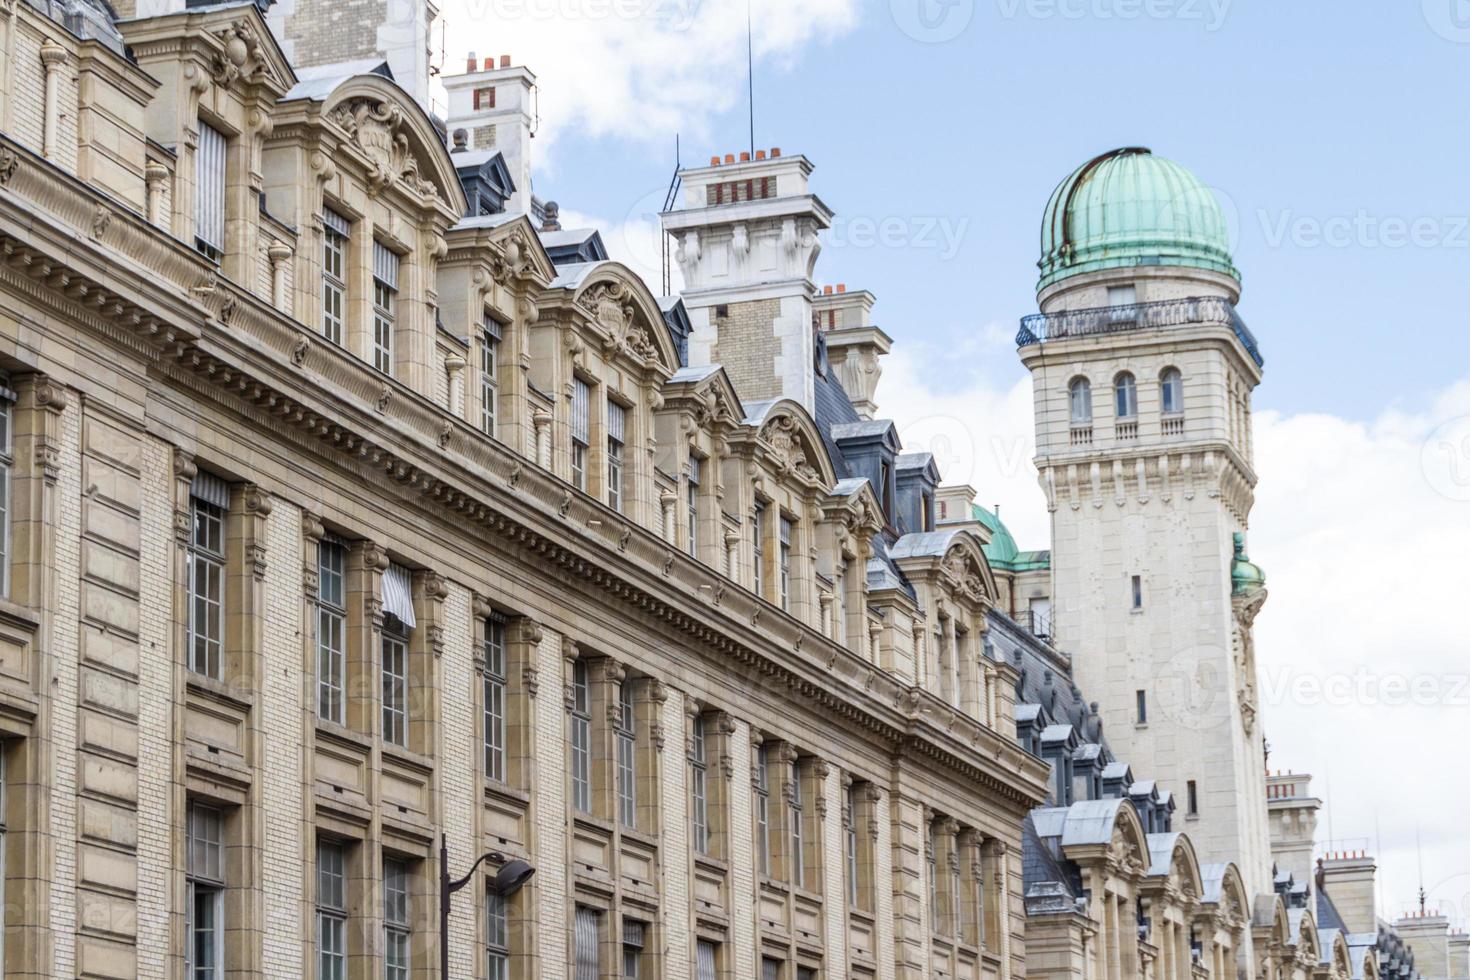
[[549, 889], [323, 32], [27, 120], [155, 711], [742, 857], [747, 346], [286, 705], [64, 698], [834, 867], [460, 771], [678, 942], [883, 899]]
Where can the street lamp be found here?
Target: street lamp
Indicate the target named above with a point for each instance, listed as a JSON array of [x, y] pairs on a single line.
[[508, 880]]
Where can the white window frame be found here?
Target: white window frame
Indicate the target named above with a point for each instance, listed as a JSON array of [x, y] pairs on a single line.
[[397, 919], [206, 588], [490, 378], [336, 238], [699, 784], [850, 844], [581, 739], [706, 960], [635, 937], [331, 911], [386, 265], [331, 631], [797, 864], [205, 879], [788, 531], [763, 809], [497, 936], [211, 159], [1125, 396], [693, 473], [627, 739], [617, 424], [495, 696], [587, 931], [7, 465], [1079, 401], [581, 431], [395, 683], [758, 581], [1171, 392]]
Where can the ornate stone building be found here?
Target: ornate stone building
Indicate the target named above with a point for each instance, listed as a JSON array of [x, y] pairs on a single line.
[[348, 513]]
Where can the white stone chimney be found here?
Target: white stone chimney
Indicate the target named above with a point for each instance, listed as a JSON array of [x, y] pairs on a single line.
[[855, 346], [1293, 817], [495, 102], [1348, 877], [1427, 933]]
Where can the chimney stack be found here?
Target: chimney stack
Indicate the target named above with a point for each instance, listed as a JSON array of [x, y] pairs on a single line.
[[1349, 880]]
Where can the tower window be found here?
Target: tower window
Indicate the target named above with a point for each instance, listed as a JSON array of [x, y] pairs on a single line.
[[1122, 295], [1080, 401], [1125, 396], [1171, 385], [485, 98], [1137, 589], [1193, 794], [1142, 707]]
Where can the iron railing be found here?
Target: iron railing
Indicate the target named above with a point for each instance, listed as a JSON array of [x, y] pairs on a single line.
[[1206, 310]]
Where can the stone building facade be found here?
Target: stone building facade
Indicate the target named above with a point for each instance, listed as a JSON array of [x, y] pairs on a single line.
[[341, 525]]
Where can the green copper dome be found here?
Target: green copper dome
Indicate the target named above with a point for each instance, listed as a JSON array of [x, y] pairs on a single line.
[[1246, 576], [1130, 208], [1002, 552]]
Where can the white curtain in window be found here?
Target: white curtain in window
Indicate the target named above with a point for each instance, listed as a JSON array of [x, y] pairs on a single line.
[[581, 408], [398, 594], [617, 421], [336, 222], [705, 960], [210, 489], [209, 187], [385, 265], [586, 926]]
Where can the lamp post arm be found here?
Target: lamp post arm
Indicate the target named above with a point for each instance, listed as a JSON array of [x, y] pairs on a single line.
[[455, 886]]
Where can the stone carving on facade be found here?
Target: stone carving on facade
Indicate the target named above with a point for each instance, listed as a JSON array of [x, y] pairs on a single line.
[[1245, 608], [376, 128], [783, 437], [611, 307], [240, 56], [101, 219], [384, 397], [964, 572], [9, 162], [299, 351]]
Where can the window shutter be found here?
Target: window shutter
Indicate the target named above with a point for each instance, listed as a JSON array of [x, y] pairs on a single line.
[[581, 406], [492, 328], [385, 265], [210, 489], [209, 187], [586, 925], [398, 594]]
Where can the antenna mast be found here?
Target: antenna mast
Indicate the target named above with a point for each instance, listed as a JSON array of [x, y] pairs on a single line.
[[669, 200], [750, 74]]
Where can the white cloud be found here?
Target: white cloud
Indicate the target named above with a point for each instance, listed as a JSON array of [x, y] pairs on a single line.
[[1363, 530], [637, 69]]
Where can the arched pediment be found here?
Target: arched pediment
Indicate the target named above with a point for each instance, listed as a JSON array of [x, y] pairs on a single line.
[[1305, 935], [1184, 868], [966, 565], [1340, 956], [792, 441], [1129, 835], [616, 299], [1225, 889], [397, 138]]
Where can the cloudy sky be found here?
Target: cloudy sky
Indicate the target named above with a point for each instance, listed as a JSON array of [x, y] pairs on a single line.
[[1334, 135]]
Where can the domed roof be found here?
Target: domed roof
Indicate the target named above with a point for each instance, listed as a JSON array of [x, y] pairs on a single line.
[[1246, 576], [1002, 552], [1130, 208]]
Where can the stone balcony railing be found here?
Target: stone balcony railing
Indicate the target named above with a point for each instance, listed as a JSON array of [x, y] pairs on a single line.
[[1039, 328]]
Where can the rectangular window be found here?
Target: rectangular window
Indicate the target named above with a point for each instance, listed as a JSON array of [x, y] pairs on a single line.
[[693, 474], [617, 422], [489, 377], [7, 462], [581, 739], [1193, 798], [495, 698], [770, 968], [759, 549], [336, 230], [699, 786], [763, 809], [209, 192], [204, 952], [209, 497], [581, 431], [933, 857], [706, 960], [385, 305], [396, 936], [627, 756], [851, 844], [331, 911], [331, 631], [798, 831], [633, 938], [1142, 707], [1137, 590], [785, 569], [586, 925], [839, 603], [395, 687], [497, 937]]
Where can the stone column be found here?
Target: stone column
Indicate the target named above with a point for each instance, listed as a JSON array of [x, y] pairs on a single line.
[[279, 253], [454, 364], [53, 62]]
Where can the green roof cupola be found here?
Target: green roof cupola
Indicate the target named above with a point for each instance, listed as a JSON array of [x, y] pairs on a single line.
[[1246, 576], [1129, 208]]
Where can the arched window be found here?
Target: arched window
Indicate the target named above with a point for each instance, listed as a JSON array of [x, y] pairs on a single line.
[[1125, 396], [1171, 384], [1081, 401]]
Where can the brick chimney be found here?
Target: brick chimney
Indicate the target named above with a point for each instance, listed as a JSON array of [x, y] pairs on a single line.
[[496, 106], [1348, 878]]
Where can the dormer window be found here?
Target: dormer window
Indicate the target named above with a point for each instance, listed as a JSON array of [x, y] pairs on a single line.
[[385, 305], [885, 477], [336, 231], [209, 192]]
